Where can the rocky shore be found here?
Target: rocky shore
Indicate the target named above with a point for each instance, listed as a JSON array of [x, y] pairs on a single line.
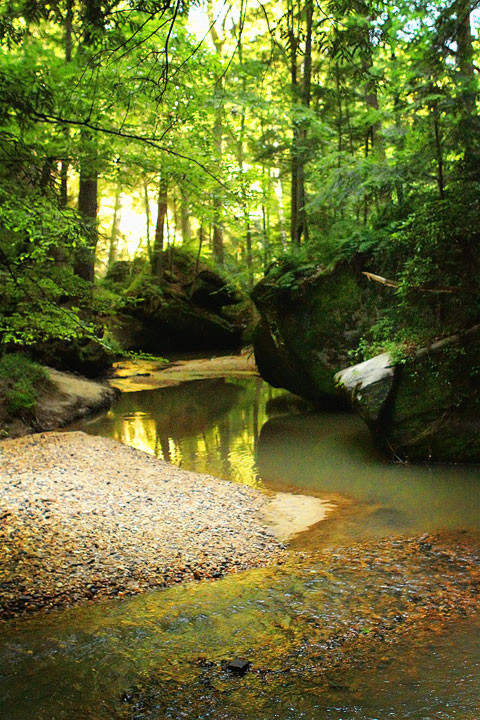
[[83, 517]]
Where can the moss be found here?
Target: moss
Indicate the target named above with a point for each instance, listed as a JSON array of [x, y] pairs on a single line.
[[312, 324], [436, 411], [21, 381]]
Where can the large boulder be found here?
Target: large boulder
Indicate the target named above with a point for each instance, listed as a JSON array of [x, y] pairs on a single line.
[[182, 310], [310, 321], [428, 406], [210, 290], [85, 356], [174, 327]]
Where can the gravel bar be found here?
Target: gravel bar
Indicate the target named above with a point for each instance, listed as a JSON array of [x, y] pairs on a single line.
[[83, 517]]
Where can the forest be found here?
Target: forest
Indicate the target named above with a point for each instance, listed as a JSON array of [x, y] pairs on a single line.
[[224, 225], [252, 136]]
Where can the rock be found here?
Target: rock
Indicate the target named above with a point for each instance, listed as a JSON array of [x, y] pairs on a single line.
[[180, 311], [427, 407], [71, 397], [368, 385], [84, 356], [238, 666], [211, 291], [310, 320], [177, 326]]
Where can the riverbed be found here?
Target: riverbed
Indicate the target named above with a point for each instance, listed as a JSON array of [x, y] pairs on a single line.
[[373, 616]]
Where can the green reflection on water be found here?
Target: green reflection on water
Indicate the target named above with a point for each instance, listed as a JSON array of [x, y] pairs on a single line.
[[209, 426], [246, 431]]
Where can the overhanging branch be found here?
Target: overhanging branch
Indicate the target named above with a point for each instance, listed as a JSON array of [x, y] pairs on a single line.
[[56, 120]]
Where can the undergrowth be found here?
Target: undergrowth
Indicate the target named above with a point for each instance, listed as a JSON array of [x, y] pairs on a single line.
[[21, 381]]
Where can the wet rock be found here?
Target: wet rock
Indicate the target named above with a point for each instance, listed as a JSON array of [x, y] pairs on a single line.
[[368, 385], [238, 666], [427, 407]]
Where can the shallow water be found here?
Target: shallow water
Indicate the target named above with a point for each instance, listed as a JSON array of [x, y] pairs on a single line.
[[246, 431], [160, 655]]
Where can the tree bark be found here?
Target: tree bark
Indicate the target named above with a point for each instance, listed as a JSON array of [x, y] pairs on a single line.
[[114, 233], [84, 265], [301, 93], [158, 246], [218, 96], [64, 164], [468, 94]]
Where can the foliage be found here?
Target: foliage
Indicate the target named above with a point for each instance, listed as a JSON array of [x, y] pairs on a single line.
[[219, 127], [21, 380]]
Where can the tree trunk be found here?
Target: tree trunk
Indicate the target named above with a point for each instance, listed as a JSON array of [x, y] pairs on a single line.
[[218, 97], [146, 202], [114, 233], [294, 161], [438, 152], [157, 255], [468, 94], [84, 265], [301, 93], [68, 58], [185, 220]]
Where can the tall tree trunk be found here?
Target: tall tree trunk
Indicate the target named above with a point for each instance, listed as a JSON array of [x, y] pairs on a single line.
[[373, 133], [84, 264], [185, 219], [240, 156], [158, 247], [438, 151], [468, 94], [301, 92], [218, 98], [114, 233], [68, 58], [146, 202], [281, 213], [294, 160]]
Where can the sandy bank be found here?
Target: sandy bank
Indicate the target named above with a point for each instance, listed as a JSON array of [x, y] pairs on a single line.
[[134, 375], [84, 517]]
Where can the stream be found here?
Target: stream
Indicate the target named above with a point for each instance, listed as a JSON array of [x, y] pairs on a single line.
[[351, 627]]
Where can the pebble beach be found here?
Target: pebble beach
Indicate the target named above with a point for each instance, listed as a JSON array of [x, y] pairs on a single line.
[[83, 517]]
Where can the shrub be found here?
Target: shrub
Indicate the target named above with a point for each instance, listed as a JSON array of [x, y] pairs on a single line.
[[21, 379]]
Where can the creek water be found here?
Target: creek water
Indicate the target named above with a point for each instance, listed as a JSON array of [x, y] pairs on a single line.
[[162, 655]]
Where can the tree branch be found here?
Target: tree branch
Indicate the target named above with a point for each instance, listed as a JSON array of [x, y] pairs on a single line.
[[55, 119]]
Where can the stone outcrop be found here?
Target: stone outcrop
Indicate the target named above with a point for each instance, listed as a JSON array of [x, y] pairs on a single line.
[[65, 398], [187, 309], [428, 406], [310, 321]]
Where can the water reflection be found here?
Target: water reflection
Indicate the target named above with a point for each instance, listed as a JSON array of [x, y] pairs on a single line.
[[210, 426], [246, 431], [333, 453]]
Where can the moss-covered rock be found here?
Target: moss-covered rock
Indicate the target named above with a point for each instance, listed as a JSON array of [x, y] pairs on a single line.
[[175, 327], [183, 310], [432, 408], [310, 320], [85, 355]]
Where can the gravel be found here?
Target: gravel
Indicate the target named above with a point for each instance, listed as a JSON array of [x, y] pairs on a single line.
[[83, 517]]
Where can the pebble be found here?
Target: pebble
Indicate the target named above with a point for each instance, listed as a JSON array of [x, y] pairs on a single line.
[[80, 515]]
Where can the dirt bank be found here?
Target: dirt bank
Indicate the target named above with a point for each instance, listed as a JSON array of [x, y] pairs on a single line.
[[66, 398], [134, 375]]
